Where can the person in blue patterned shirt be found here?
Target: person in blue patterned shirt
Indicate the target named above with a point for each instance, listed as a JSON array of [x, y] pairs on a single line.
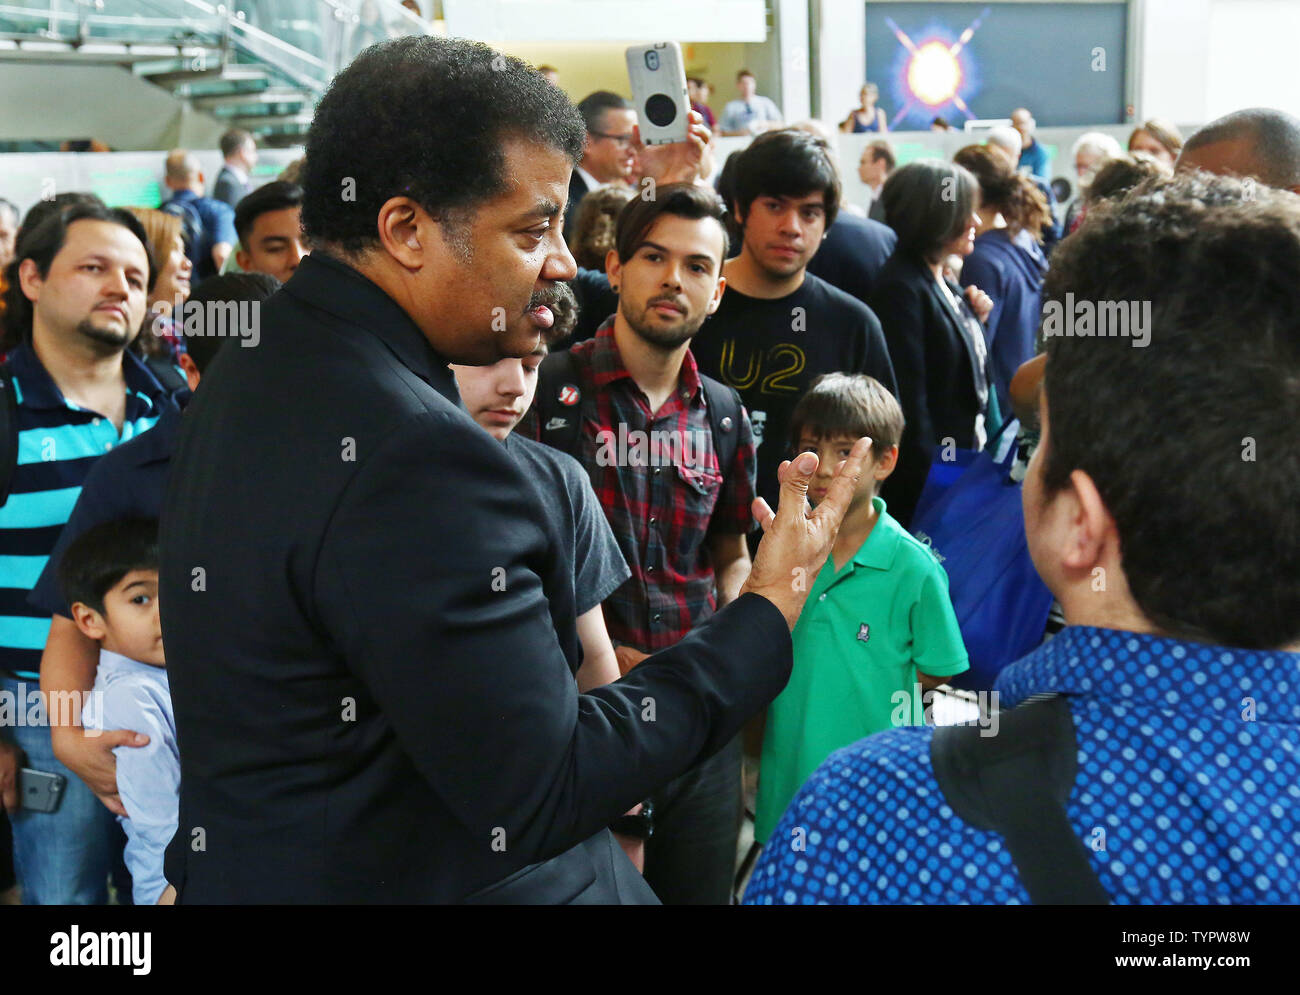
[[1177, 564]]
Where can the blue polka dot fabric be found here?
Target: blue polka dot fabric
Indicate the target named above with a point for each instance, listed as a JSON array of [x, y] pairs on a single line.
[[1188, 788]]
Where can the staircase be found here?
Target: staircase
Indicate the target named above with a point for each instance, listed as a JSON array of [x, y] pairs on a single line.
[[260, 65]]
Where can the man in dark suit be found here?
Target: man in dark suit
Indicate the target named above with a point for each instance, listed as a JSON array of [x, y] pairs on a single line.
[[371, 654], [239, 149], [877, 162], [608, 153], [853, 253]]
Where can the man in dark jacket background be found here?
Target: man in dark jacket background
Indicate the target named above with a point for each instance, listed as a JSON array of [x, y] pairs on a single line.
[[370, 658]]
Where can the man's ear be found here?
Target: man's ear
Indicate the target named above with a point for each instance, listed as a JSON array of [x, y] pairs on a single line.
[[243, 259], [613, 269], [186, 363], [1089, 524], [408, 233], [738, 214], [718, 291], [89, 621], [29, 279]]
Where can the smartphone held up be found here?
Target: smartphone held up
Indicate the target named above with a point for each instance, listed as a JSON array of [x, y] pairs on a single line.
[[658, 78]]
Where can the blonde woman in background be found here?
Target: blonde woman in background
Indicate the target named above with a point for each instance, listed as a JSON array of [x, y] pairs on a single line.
[[160, 340]]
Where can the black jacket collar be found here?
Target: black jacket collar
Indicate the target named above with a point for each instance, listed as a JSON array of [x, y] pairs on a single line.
[[332, 285]]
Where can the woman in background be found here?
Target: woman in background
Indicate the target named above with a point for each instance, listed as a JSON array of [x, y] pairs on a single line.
[[934, 333], [592, 234], [161, 341], [1160, 138], [1007, 262], [867, 116]]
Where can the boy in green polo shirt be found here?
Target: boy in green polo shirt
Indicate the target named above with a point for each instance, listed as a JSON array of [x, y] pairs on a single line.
[[878, 620]]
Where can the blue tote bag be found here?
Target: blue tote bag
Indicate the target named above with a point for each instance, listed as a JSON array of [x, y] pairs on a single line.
[[970, 516]]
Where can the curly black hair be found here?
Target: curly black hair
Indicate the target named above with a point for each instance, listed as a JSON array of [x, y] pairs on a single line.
[[1190, 439], [423, 117]]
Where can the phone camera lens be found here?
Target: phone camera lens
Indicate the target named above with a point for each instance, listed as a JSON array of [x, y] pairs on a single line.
[[660, 110], [652, 61]]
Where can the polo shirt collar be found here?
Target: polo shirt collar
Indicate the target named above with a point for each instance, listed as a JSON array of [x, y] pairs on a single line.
[[881, 547], [37, 389], [607, 365], [324, 282], [1155, 671]]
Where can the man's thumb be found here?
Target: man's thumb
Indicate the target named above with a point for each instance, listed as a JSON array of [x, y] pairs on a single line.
[[799, 472]]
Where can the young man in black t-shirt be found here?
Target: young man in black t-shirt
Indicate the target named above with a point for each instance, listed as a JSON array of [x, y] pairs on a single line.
[[779, 327]]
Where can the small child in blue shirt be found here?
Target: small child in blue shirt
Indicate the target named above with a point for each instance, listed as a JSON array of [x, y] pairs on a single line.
[[109, 576]]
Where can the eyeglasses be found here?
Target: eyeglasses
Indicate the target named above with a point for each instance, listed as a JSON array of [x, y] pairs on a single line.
[[627, 139]]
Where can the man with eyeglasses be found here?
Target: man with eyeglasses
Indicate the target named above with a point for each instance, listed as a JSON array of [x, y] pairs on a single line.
[[609, 155]]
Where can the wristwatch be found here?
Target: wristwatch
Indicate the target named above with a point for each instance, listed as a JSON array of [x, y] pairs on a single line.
[[640, 826]]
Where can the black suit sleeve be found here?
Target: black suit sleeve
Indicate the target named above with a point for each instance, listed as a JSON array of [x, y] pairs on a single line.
[[472, 678], [876, 362], [902, 314]]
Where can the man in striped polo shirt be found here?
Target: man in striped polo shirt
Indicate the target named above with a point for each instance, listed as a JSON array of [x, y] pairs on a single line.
[[76, 300]]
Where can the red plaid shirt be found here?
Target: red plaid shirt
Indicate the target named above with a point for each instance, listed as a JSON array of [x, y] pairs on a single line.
[[657, 477]]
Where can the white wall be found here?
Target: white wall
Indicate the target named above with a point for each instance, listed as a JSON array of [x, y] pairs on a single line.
[[795, 59], [534, 21], [842, 58], [1252, 56], [122, 178], [1201, 59], [54, 102]]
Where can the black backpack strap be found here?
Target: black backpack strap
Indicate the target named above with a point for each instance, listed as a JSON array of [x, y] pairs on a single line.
[[1017, 784], [558, 402], [724, 407], [169, 377], [8, 431]]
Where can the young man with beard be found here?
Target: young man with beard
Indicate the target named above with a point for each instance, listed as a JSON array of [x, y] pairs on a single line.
[[75, 300], [679, 509], [779, 327]]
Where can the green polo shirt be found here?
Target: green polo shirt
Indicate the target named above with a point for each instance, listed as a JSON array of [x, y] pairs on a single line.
[[863, 634]]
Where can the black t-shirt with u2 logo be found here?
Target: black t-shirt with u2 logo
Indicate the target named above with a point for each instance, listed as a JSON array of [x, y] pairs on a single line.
[[772, 350]]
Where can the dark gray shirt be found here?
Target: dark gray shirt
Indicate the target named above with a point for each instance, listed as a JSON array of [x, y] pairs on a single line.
[[594, 560]]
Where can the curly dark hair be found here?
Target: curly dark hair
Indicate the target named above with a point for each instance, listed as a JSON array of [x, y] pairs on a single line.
[[592, 234], [423, 117], [1013, 194], [1191, 439], [1118, 175]]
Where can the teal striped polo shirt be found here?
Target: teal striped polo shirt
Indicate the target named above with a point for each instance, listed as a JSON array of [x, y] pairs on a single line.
[[58, 443]]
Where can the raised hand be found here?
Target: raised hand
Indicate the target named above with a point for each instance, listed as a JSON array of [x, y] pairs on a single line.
[[796, 539]]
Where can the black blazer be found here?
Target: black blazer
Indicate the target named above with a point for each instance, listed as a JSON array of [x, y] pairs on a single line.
[[942, 382], [853, 253], [577, 190], [370, 650], [228, 188]]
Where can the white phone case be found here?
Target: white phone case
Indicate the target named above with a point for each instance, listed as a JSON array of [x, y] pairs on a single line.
[[658, 79]]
